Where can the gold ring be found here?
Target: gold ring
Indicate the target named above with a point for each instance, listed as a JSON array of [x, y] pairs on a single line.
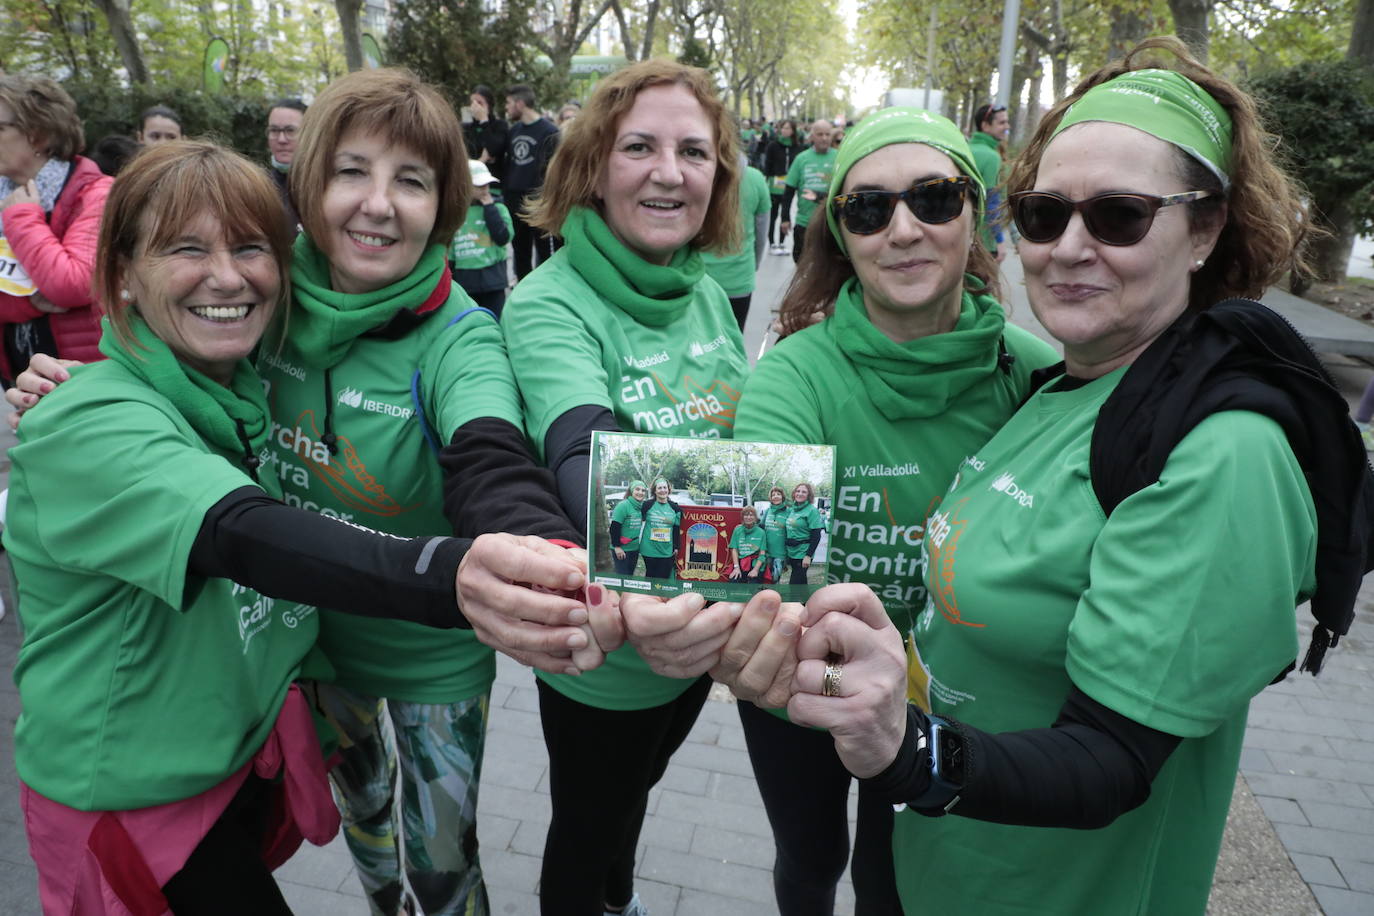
[[830, 681]]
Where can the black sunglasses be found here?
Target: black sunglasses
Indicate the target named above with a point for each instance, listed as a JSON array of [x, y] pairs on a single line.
[[1113, 219], [937, 201]]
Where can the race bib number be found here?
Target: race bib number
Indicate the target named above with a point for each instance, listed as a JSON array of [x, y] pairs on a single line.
[[780, 183], [13, 278], [661, 535]]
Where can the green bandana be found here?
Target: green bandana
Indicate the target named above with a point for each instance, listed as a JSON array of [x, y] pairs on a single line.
[[921, 377], [651, 294], [221, 416], [636, 483], [1166, 105], [902, 125], [324, 323]]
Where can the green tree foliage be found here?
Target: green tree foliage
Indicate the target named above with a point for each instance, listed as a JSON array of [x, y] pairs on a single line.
[[283, 48], [456, 44], [239, 122], [1324, 113]]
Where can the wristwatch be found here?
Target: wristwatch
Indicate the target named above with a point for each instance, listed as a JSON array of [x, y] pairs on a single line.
[[946, 761]]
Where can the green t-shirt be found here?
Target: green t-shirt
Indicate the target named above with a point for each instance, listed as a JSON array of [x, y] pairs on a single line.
[[570, 347], [802, 519], [631, 521], [889, 471], [774, 518], [1174, 612], [660, 519], [472, 247], [747, 539], [141, 683], [811, 171], [386, 476], [735, 272]]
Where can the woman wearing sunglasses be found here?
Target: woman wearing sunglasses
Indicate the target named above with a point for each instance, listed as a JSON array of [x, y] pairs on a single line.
[[913, 369], [1086, 661]]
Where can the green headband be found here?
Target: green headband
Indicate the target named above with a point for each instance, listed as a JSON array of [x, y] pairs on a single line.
[[1166, 105], [637, 483], [901, 125]]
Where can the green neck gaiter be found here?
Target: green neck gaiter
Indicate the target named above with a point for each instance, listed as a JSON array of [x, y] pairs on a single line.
[[324, 323], [232, 419], [921, 377], [652, 295]]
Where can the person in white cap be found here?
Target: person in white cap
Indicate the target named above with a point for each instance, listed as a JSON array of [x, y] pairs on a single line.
[[478, 254]]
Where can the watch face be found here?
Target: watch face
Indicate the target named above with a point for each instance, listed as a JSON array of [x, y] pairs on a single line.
[[950, 753]]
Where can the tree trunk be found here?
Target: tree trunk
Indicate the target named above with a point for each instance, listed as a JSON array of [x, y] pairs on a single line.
[[1191, 26], [352, 31], [1028, 116], [1361, 47], [1128, 30], [650, 21], [1331, 255], [126, 40]]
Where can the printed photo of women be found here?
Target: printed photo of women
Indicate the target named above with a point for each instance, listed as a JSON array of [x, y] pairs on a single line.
[[747, 554], [627, 522], [661, 533]]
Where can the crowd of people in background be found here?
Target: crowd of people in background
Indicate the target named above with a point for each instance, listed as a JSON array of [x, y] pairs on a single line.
[[298, 455]]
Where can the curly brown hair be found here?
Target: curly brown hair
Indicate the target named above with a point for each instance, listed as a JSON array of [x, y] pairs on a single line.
[[1265, 230], [585, 145]]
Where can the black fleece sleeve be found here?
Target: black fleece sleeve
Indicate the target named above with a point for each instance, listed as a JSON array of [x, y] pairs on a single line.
[[492, 483], [568, 452], [1086, 770], [815, 542], [297, 555], [615, 533], [788, 192]]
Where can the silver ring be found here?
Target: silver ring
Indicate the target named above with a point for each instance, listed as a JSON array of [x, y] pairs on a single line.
[[830, 681]]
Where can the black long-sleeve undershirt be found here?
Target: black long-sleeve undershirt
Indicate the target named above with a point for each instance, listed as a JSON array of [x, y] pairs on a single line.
[[297, 555], [491, 483], [568, 452], [1084, 771]]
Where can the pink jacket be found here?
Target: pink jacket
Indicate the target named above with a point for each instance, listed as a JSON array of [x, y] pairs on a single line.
[[59, 255]]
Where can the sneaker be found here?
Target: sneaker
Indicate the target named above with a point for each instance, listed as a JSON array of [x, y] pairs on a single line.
[[635, 907]]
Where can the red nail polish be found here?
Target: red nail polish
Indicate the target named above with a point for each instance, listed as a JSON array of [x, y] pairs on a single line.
[[595, 594]]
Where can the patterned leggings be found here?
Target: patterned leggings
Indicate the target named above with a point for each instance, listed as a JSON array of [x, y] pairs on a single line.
[[440, 755]]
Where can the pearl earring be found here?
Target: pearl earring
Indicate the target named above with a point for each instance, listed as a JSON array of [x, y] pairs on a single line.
[[124, 295], [1198, 263]]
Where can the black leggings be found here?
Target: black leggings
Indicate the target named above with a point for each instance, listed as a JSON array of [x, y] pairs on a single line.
[[492, 300], [658, 567], [602, 764], [740, 306], [798, 571], [798, 241], [805, 791], [225, 874], [773, 217]]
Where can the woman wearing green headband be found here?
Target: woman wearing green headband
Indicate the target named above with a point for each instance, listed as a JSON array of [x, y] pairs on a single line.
[[1112, 577], [914, 368], [627, 520]]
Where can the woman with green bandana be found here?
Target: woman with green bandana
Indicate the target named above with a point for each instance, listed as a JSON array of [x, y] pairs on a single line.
[[622, 330], [627, 520], [1112, 577], [662, 532], [160, 715], [747, 557], [913, 367], [774, 523]]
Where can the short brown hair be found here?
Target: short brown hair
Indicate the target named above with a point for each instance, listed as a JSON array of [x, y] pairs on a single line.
[[166, 186], [45, 113], [586, 144], [1264, 230], [823, 268], [396, 104], [749, 510]]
